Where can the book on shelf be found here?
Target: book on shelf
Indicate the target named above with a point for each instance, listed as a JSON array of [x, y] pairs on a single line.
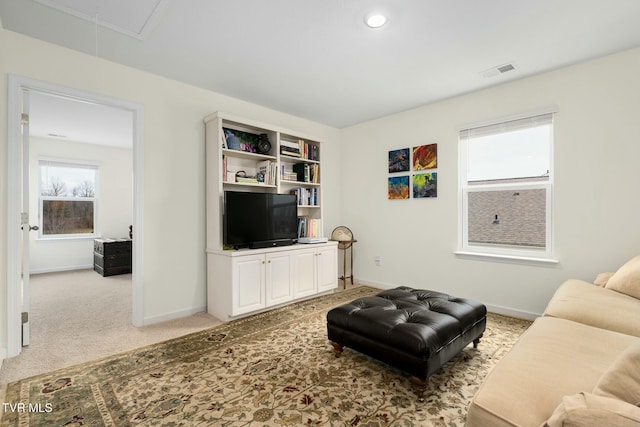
[[306, 196], [303, 171], [300, 148], [309, 151], [308, 227], [290, 148], [224, 168], [314, 173], [269, 171], [246, 180]]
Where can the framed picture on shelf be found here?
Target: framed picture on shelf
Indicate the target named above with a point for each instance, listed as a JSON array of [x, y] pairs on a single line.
[[240, 141], [399, 160]]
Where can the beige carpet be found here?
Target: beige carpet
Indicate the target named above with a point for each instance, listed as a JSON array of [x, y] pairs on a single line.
[[80, 316], [272, 369]]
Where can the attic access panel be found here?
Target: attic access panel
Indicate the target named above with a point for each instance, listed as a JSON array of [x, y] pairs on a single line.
[[132, 18]]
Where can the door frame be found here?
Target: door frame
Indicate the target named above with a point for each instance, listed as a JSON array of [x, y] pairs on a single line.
[[16, 85]]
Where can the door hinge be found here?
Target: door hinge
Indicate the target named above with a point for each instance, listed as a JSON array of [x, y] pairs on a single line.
[[25, 317], [24, 118]]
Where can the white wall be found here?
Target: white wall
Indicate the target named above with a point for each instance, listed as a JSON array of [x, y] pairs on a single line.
[[114, 207], [174, 175], [596, 199]]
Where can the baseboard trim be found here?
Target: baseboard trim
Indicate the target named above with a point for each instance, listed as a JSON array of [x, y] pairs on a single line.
[[510, 312], [60, 269], [172, 316], [504, 311]]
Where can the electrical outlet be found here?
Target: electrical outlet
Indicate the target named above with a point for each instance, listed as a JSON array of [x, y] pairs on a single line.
[[377, 260]]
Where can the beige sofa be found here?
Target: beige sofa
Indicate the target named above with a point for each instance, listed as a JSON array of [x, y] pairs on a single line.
[[577, 365]]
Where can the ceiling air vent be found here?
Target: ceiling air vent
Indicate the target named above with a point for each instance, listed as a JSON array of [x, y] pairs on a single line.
[[496, 71]]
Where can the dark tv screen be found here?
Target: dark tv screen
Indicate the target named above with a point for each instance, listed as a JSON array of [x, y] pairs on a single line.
[[259, 219]]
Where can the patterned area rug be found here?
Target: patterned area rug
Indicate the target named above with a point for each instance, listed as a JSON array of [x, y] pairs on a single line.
[[271, 369]]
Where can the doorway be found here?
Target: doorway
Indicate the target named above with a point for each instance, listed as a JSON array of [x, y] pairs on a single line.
[[18, 91]]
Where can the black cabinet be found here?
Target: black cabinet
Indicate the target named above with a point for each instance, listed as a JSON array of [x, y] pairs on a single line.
[[112, 256]]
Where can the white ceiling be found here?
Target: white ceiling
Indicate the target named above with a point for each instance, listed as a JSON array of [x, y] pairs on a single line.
[[317, 60], [52, 116]]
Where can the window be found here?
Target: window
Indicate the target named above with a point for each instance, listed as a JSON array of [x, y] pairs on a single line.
[[67, 199], [506, 188]]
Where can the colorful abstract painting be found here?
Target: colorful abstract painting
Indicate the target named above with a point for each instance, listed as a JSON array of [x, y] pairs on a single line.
[[398, 187], [425, 157], [425, 185], [399, 160]]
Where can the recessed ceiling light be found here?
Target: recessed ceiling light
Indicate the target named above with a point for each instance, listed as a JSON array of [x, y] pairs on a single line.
[[375, 20]]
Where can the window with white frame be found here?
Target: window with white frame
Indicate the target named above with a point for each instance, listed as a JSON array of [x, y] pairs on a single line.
[[506, 187], [67, 198]]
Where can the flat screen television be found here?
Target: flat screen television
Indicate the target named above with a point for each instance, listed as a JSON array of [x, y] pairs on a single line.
[[259, 220]]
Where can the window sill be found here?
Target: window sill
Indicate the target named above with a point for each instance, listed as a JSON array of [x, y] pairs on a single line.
[[66, 238], [514, 259]]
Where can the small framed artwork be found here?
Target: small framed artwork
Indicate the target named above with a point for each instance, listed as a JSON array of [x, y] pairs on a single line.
[[239, 140], [399, 160], [398, 187], [425, 185], [425, 157]]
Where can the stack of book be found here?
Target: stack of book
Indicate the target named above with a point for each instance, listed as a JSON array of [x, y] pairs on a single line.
[[288, 175], [247, 179], [299, 148], [290, 148]]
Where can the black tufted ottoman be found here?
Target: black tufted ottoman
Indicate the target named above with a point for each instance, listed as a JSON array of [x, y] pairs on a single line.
[[414, 330]]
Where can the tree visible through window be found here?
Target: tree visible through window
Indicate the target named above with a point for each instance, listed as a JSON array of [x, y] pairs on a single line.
[[67, 198], [506, 187]]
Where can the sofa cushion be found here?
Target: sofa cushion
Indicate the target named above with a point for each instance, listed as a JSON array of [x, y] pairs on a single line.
[[622, 379], [603, 308], [586, 409], [627, 279], [603, 278], [552, 359]]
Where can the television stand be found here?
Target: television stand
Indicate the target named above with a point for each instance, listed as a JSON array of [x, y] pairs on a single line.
[[249, 281]]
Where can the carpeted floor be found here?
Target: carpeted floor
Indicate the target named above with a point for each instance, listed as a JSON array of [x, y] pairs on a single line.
[[275, 368], [78, 316]]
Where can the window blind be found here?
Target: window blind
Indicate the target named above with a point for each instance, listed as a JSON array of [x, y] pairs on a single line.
[[508, 126]]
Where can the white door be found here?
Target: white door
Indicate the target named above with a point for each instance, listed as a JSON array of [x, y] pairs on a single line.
[[279, 278], [24, 219]]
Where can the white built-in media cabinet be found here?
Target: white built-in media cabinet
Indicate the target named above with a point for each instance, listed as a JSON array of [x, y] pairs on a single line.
[[247, 281]]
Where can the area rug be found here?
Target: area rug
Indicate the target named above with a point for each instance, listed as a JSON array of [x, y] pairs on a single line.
[[271, 369]]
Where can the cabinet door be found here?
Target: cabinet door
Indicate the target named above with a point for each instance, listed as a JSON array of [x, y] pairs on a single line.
[[248, 283], [327, 269], [304, 282], [279, 278]]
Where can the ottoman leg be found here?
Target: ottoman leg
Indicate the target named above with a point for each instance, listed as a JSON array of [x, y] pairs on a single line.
[[477, 341], [420, 387], [337, 348]]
